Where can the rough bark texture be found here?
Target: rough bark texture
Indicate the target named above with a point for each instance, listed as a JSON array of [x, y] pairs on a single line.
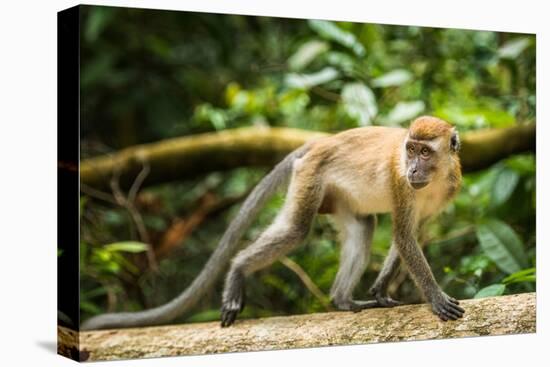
[[515, 314], [191, 156]]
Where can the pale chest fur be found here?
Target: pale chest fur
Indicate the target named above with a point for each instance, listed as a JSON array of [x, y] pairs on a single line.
[[362, 193], [432, 199]]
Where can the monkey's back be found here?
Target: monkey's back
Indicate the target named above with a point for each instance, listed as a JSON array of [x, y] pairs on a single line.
[[355, 167]]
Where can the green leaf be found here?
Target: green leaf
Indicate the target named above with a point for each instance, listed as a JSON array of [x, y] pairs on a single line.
[[83, 202], [513, 48], [527, 275], [505, 183], [89, 307], [341, 60], [97, 20], [491, 291], [113, 218], [112, 267], [502, 245], [476, 117], [100, 291], [359, 103], [305, 81], [524, 164], [293, 102], [392, 79], [403, 111], [216, 116], [306, 54], [127, 246], [331, 31], [204, 316]]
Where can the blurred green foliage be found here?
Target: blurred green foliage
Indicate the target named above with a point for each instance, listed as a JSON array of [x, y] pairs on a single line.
[[148, 75]]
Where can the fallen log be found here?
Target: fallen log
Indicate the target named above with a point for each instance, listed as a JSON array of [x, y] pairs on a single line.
[[514, 314]]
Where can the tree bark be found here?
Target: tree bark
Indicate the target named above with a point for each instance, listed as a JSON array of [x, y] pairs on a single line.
[[513, 314], [191, 156]]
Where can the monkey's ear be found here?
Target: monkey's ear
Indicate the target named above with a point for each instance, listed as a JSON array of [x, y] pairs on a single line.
[[455, 141]]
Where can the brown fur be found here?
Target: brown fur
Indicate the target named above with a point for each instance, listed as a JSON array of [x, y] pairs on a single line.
[[354, 175], [428, 128]]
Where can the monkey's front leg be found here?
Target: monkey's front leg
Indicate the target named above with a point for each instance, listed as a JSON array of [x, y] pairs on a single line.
[[444, 306]]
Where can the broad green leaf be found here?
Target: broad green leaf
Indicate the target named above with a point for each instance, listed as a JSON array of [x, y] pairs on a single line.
[[491, 291], [391, 79], [341, 60], [359, 103], [527, 275], [502, 245], [306, 54], [331, 31], [127, 246], [505, 183], [403, 111], [513, 48], [305, 81]]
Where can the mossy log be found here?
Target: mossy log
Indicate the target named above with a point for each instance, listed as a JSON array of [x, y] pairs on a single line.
[[191, 156], [515, 314]]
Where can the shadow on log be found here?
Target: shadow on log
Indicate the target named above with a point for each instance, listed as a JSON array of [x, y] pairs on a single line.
[[191, 156], [515, 314]]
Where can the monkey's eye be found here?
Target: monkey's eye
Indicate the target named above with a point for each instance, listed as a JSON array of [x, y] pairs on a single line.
[[410, 149], [425, 152]]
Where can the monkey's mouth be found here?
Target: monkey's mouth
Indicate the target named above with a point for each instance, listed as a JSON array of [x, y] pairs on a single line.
[[418, 184]]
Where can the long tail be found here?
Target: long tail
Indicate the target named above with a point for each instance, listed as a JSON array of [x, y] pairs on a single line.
[[229, 244]]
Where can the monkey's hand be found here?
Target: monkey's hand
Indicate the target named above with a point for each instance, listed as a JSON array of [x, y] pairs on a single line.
[[446, 307]]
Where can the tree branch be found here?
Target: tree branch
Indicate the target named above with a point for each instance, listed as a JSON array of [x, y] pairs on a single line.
[[191, 156], [513, 314]]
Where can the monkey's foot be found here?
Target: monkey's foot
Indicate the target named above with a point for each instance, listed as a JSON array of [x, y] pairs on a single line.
[[232, 306], [386, 301], [230, 310], [446, 307], [354, 305]]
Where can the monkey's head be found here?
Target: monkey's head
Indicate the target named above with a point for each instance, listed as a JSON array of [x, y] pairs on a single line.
[[431, 149]]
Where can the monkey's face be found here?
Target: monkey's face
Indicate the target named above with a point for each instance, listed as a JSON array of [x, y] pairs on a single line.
[[431, 147], [421, 161]]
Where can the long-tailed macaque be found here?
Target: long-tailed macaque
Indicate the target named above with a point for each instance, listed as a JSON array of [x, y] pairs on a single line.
[[352, 176]]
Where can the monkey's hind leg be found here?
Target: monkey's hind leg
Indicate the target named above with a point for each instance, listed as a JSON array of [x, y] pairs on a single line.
[[380, 287], [357, 233], [289, 229]]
